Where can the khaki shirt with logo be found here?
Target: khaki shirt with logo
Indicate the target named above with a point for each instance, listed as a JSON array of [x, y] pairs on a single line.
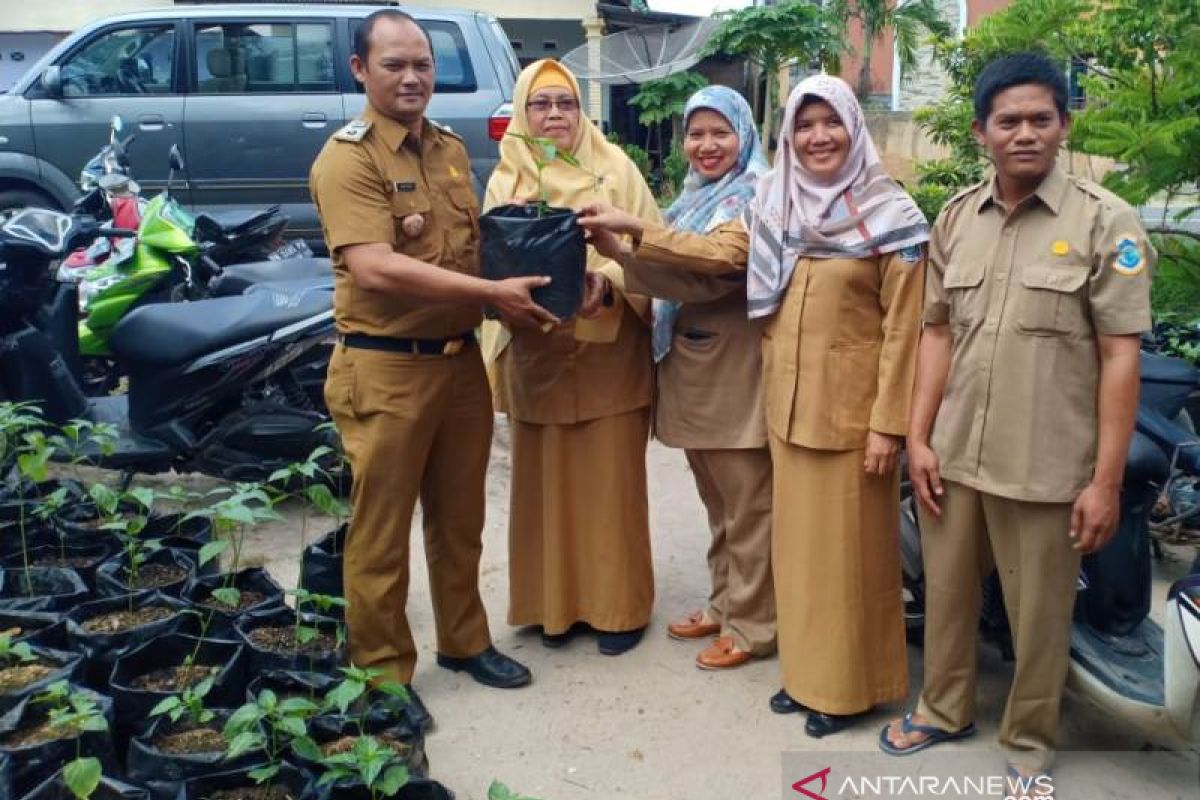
[[1026, 295], [365, 185]]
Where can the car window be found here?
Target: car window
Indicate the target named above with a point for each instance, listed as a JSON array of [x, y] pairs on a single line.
[[266, 57], [454, 70], [137, 60]]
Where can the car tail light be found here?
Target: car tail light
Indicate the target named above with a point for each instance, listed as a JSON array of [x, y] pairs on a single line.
[[498, 121]]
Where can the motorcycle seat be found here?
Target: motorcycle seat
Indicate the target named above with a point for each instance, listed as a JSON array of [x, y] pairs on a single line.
[[165, 334], [233, 220], [235, 278]]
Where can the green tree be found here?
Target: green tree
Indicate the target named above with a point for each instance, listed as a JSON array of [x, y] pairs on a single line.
[[907, 22], [774, 36], [664, 99]]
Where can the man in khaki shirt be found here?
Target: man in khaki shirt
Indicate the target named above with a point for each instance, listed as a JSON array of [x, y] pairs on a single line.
[[1027, 378], [406, 384]]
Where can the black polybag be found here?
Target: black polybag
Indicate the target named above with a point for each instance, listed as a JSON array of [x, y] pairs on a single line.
[[112, 575], [219, 624], [324, 730], [260, 659], [321, 566], [45, 589], [164, 773], [415, 789], [109, 789], [41, 628], [132, 705], [299, 783], [95, 553], [519, 241], [100, 650], [374, 706], [33, 764], [67, 667]]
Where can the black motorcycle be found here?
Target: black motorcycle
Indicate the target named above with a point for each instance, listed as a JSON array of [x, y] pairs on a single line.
[[207, 379]]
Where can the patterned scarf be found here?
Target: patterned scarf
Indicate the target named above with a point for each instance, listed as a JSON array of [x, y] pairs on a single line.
[[704, 205], [860, 213]]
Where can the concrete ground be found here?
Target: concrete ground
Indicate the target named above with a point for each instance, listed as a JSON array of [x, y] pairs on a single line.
[[649, 725]]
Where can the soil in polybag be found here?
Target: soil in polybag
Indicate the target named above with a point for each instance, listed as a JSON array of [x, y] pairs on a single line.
[[38, 750], [168, 571], [20, 679], [169, 753], [271, 641], [257, 591], [290, 783], [109, 627]]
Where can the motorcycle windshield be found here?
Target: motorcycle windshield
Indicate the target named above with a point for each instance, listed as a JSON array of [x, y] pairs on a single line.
[[168, 227]]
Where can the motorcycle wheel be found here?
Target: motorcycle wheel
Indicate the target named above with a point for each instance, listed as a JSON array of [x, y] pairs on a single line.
[[100, 377]]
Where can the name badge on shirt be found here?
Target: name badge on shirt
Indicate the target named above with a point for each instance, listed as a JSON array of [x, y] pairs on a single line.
[[404, 186]]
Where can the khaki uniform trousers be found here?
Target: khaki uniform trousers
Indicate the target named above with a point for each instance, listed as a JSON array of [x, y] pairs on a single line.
[[735, 487], [412, 426], [1039, 570]]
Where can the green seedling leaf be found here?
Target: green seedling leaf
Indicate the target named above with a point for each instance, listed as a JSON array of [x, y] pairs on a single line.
[[212, 549], [394, 778], [82, 777], [243, 719], [292, 726], [305, 634], [263, 774], [307, 748], [143, 496], [244, 742], [298, 705], [166, 705], [227, 596], [394, 689], [344, 694]]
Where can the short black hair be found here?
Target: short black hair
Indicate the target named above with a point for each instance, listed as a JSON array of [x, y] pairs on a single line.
[[1019, 69], [362, 34]]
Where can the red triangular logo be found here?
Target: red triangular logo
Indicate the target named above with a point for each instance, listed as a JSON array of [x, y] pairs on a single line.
[[799, 785]]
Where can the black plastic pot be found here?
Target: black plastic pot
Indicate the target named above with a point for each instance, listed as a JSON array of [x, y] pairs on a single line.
[[67, 666], [32, 764], [261, 659], [164, 773], [328, 729], [41, 628], [221, 623], [109, 789], [45, 589], [37, 534], [30, 495], [133, 704], [374, 706], [112, 575], [522, 240], [299, 783], [197, 529], [101, 650], [415, 789], [88, 556], [321, 565]]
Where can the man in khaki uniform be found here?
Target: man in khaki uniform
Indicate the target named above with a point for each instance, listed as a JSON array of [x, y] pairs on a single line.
[[1027, 375], [406, 384]]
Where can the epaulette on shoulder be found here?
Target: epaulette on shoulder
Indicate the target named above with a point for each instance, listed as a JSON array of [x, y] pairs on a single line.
[[961, 194], [1097, 191], [353, 131], [446, 129]]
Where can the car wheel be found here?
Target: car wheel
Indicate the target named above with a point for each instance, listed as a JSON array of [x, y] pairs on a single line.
[[13, 199]]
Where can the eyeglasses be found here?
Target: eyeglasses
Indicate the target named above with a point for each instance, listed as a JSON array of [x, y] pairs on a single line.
[[567, 105]]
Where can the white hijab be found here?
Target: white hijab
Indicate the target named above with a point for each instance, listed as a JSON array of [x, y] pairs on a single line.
[[860, 213]]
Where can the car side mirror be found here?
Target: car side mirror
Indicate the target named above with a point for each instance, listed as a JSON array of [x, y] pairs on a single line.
[[176, 158], [52, 81]]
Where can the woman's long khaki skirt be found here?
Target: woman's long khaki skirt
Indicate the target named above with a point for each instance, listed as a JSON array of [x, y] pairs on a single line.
[[836, 558], [579, 526]]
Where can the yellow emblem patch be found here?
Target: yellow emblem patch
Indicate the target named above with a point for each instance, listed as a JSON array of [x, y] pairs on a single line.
[[1060, 248], [453, 171]]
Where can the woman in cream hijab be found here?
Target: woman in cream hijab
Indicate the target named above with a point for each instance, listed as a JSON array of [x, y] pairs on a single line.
[[577, 397]]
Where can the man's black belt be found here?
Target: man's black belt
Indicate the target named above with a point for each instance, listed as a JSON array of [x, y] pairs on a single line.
[[425, 347]]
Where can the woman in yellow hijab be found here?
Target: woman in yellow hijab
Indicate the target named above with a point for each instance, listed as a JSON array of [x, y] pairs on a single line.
[[577, 397]]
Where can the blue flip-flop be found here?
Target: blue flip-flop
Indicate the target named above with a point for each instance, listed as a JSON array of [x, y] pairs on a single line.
[[933, 736]]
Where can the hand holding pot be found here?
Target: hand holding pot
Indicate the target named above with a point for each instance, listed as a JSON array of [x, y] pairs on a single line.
[[605, 225], [511, 298]]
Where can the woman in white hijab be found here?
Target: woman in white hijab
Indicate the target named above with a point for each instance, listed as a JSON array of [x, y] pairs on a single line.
[[834, 252]]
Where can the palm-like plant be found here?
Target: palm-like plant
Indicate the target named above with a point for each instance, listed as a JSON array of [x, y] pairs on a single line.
[[907, 21]]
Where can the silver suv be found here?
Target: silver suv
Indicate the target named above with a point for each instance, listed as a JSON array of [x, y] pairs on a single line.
[[250, 93]]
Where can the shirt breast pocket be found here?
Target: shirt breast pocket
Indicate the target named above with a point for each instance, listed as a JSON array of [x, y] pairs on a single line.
[[416, 229], [963, 282], [1051, 302]]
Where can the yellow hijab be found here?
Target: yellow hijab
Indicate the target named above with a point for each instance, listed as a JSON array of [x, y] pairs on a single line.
[[607, 175]]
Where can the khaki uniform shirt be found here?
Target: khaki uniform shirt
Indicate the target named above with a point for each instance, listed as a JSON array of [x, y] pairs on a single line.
[[840, 354], [709, 388], [365, 184], [1025, 295]]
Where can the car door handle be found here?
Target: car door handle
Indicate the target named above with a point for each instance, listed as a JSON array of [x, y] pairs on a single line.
[[313, 119], [151, 122]]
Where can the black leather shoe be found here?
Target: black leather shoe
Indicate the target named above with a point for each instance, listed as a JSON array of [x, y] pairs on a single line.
[[491, 668], [557, 640], [782, 703], [615, 643], [418, 715], [819, 724]]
